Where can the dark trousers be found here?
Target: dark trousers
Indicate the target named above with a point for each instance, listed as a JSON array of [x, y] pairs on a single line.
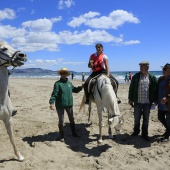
[[93, 75], [139, 110], [60, 113], [164, 118]]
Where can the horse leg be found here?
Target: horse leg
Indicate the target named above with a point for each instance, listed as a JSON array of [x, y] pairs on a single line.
[[89, 116], [100, 125], [110, 130], [9, 128]]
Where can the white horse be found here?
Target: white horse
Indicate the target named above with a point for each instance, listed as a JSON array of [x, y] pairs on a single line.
[[8, 57], [104, 97]]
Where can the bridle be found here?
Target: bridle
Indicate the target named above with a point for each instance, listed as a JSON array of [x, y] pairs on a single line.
[[8, 61]]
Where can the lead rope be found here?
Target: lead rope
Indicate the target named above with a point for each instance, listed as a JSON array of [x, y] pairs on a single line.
[[10, 72]]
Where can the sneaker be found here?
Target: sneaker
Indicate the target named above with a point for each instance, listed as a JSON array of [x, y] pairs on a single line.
[[146, 138]]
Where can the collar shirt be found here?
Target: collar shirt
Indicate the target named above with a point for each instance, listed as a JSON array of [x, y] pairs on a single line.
[[143, 89]]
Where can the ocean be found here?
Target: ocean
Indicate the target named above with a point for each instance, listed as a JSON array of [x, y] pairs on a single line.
[[119, 75]]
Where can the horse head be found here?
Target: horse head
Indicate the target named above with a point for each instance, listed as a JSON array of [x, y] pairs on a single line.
[[116, 122], [11, 57]]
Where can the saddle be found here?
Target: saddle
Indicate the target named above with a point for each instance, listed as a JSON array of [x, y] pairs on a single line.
[[93, 81]]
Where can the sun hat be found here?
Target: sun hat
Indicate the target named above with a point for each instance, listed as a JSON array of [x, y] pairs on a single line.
[[63, 70], [167, 66], [144, 63]]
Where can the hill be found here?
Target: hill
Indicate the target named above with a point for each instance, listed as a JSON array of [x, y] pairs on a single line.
[[34, 71]]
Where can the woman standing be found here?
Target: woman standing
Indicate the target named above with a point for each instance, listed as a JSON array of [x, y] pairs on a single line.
[[63, 99]]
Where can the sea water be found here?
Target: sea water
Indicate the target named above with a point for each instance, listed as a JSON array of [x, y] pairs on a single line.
[[119, 75]]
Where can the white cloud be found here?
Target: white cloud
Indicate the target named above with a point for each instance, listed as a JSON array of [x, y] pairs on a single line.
[[51, 61], [87, 37], [73, 63], [39, 63], [40, 24], [65, 4], [131, 42], [7, 14], [82, 19], [60, 59], [39, 35], [114, 20], [8, 31], [34, 41]]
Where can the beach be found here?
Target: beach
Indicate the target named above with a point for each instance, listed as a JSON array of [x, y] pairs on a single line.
[[36, 131]]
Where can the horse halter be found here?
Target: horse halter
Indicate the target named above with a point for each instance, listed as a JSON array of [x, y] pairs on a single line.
[[11, 58], [16, 56]]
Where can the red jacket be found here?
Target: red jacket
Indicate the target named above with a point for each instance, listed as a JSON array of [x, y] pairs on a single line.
[[98, 62]]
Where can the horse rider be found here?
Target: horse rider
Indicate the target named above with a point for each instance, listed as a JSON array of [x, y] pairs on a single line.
[[98, 63]]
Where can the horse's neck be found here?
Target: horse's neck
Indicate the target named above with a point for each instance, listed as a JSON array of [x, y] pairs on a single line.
[[3, 82]]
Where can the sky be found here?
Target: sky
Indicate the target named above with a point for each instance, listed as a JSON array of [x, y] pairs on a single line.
[[63, 33]]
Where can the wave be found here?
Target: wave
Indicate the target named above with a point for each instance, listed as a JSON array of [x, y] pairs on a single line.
[[120, 76]]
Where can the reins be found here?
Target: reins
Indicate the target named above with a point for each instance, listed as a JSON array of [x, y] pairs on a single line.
[[8, 61]]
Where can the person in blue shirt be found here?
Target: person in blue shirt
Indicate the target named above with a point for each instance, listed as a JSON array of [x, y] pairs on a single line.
[[126, 77], [164, 101]]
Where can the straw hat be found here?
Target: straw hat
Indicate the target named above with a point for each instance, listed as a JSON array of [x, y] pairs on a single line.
[[63, 70], [144, 63]]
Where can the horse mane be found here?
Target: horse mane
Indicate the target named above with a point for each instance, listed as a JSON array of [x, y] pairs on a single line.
[[108, 95]]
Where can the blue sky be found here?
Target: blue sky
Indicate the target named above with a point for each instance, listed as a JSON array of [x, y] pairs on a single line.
[[63, 33]]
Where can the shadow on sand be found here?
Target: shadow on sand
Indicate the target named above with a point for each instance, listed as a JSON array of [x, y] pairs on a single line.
[[138, 142], [8, 160], [87, 144], [74, 143]]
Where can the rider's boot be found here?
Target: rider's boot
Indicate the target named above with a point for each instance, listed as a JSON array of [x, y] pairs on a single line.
[[86, 94]]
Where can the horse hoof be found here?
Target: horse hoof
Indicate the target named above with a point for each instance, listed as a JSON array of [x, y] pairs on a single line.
[[89, 123], [100, 141], [21, 158]]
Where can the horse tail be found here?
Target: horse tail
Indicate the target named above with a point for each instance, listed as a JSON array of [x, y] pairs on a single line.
[[82, 103]]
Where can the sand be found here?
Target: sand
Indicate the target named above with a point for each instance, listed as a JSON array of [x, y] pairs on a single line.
[[36, 131]]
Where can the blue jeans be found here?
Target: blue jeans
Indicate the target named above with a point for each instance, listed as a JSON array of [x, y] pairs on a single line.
[[139, 110], [164, 118]]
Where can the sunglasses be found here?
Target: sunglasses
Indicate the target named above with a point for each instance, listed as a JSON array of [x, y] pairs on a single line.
[[63, 73], [98, 47]]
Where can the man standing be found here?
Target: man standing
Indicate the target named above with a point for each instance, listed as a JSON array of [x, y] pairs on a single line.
[[142, 93], [164, 101]]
